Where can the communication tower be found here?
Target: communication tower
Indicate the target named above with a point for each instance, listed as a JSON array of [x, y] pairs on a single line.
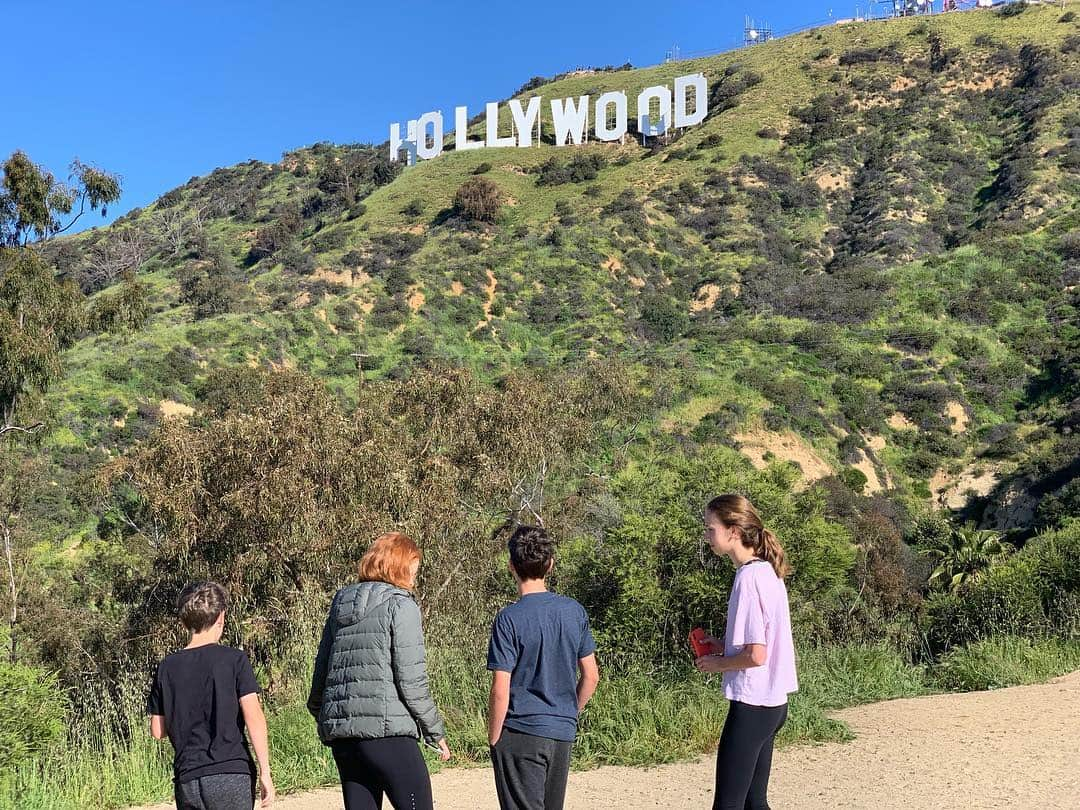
[[754, 34]]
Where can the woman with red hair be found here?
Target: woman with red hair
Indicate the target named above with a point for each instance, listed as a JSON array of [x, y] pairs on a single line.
[[369, 693]]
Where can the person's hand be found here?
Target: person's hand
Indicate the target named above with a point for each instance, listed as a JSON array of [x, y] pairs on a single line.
[[266, 790], [714, 643], [444, 750], [494, 741], [710, 663]]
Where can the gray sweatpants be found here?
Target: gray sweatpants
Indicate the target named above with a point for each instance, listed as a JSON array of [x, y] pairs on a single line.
[[220, 791], [530, 772]]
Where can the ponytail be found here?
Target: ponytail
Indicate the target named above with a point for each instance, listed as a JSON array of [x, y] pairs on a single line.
[[773, 553], [738, 512]]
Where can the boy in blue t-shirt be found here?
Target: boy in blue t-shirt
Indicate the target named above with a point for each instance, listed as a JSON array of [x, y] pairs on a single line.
[[539, 645]]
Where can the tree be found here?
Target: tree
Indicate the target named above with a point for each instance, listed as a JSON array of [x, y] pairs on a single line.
[[276, 488], [32, 200], [39, 318], [963, 555]]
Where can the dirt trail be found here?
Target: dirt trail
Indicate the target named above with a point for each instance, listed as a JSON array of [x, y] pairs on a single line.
[[1012, 748]]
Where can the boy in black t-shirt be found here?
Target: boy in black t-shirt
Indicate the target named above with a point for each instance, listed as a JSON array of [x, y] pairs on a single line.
[[202, 698]]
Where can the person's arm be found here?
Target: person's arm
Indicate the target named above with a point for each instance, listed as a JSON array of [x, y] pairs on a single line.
[[746, 627], [750, 656], [407, 661], [255, 721], [322, 663], [590, 677], [155, 707], [498, 704], [158, 729]]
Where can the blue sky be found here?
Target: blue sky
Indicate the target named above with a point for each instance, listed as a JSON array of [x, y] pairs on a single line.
[[163, 90]]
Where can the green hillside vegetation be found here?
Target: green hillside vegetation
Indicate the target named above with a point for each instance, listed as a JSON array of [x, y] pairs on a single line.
[[851, 293]]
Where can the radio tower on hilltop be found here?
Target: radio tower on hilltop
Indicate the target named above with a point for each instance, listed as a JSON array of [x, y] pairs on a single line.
[[904, 8], [755, 34]]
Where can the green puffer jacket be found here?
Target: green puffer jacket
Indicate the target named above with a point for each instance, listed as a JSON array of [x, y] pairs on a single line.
[[370, 678]]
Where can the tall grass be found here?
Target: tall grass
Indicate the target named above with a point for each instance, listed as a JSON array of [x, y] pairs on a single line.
[[637, 718], [1006, 661]]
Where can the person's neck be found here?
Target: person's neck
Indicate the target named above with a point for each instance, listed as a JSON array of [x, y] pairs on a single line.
[[741, 555], [527, 586], [203, 639]]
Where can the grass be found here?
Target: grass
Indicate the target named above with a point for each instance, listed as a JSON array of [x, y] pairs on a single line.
[[1006, 661]]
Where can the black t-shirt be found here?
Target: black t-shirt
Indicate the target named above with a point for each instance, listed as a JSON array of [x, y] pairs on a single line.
[[198, 692]]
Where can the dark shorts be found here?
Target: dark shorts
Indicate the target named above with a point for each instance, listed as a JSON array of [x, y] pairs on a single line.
[[219, 791], [530, 772]]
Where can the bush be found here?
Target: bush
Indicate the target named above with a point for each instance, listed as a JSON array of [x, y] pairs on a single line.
[[664, 317], [994, 663], [578, 169], [298, 261], [32, 712], [1034, 593], [1069, 246], [645, 582], [483, 168], [853, 478], [1012, 9], [478, 200]]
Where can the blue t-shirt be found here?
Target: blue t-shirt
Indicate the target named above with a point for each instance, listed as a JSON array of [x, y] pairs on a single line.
[[539, 640]]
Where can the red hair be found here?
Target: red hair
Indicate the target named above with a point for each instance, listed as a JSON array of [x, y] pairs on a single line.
[[389, 558]]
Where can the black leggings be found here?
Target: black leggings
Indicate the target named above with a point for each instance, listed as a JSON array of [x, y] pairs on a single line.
[[744, 758], [390, 765]]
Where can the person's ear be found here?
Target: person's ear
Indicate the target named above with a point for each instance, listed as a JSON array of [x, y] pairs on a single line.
[[220, 621], [551, 565]]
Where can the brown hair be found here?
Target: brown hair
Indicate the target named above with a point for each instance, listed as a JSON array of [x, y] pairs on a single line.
[[531, 552], [736, 511], [200, 604], [389, 558]]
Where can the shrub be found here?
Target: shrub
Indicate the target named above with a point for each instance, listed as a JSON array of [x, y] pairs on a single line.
[[483, 168], [664, 317], [578, 169], [122, 310], [1069, 246], [1034, 593], [853, 478], [32, 712], [994, 663], [1011, 9], [478, 200], [331, 239], [646, 583], [298, 261]]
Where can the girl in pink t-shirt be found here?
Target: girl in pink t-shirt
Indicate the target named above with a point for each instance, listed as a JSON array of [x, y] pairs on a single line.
[[759, 656]]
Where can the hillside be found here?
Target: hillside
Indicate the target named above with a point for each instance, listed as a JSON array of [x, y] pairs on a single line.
[[865, 258]]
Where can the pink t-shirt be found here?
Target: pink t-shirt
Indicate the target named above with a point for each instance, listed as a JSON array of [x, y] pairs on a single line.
[[758, 614]]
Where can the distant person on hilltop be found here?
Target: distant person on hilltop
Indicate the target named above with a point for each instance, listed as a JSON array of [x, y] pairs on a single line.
[[203, 697], [370, 693], [538, 647], [758, 659]]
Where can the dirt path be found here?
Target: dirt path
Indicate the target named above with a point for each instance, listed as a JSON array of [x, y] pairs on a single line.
[[1013, 748]]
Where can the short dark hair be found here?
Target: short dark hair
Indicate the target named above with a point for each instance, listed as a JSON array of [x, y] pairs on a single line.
[[199, 605], [531, 552]]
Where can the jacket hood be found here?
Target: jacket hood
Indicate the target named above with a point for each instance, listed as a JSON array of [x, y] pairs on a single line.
[[354, 602]]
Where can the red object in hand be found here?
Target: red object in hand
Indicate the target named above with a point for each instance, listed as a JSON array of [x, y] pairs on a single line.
[[699, 644]]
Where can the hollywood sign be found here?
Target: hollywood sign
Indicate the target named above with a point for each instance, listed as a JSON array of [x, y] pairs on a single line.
[[423, 137]]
